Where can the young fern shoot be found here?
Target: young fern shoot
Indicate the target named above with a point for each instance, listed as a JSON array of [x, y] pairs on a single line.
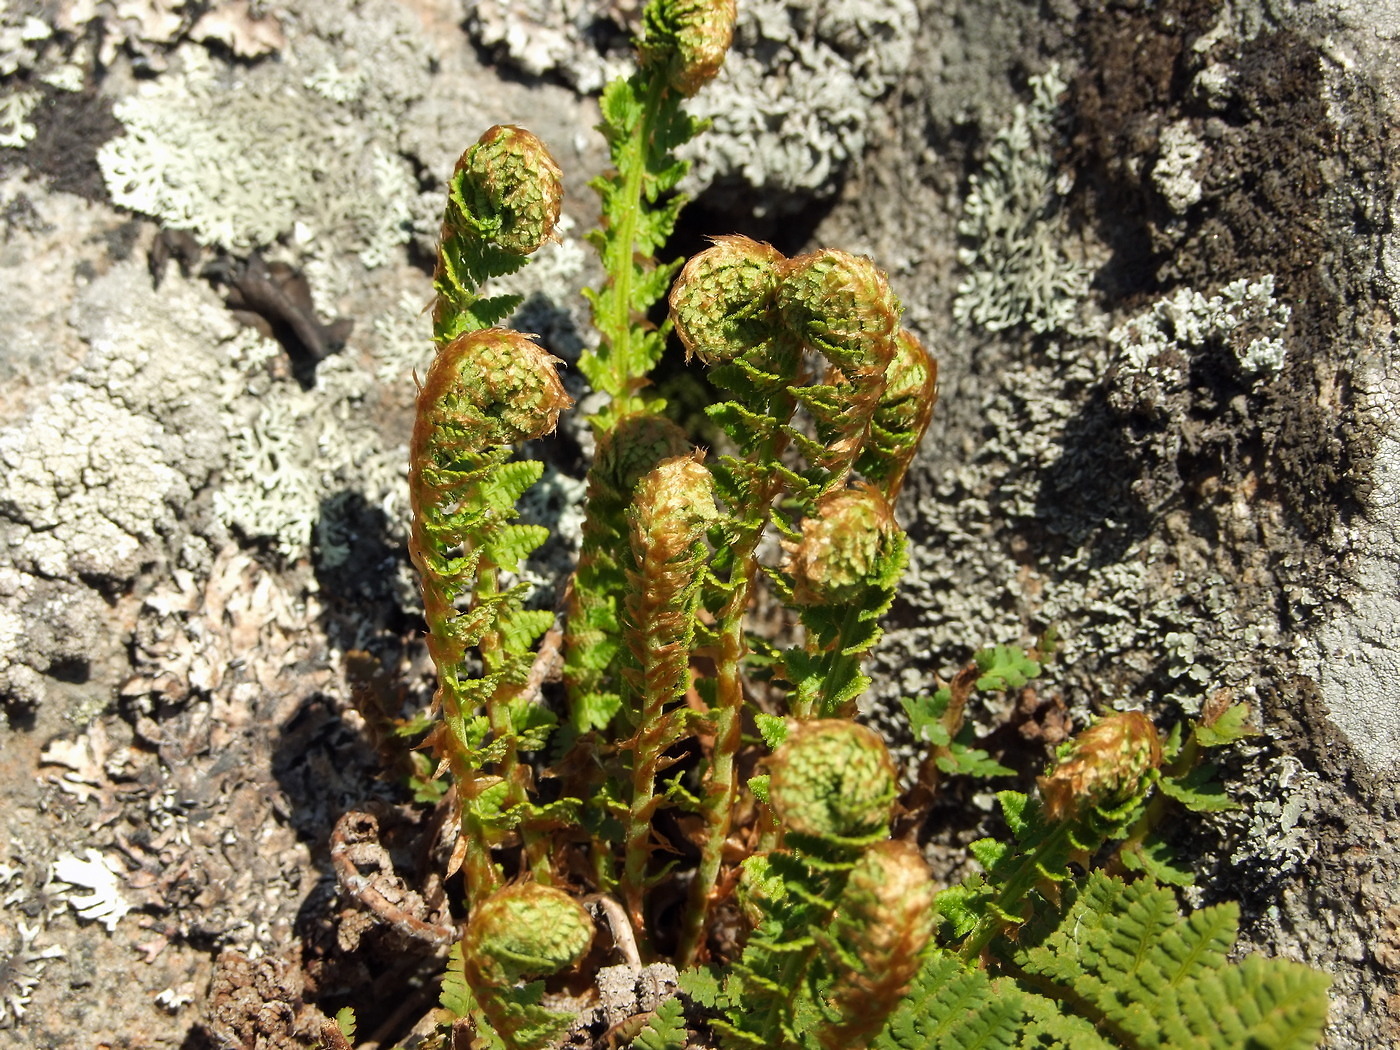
[[802, 923], [486, 390]]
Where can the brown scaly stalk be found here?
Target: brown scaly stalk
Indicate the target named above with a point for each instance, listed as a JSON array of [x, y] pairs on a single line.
[[673, 507]]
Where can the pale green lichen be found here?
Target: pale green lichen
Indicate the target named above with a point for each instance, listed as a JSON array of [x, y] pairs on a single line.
[[1245, 319], [243, 160], [791, 107], [1019, 272], [1179, 156], [294, 450], [15, 129]]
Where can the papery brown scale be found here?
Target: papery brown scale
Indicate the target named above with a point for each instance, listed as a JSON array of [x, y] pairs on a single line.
[[1103, 765], [885, 919]]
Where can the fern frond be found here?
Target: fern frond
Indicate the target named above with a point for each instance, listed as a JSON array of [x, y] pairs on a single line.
[[519, 933], [483, 392], [1092, 794], [673, 507], [1124, 958], [666, 1029], [503, 203], [644, 124], [593, 635]]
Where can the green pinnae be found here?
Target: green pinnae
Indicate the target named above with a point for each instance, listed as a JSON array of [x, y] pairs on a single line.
[[523, 931], [832, 779], [841, 305], [721, 304], [901, 415], [510, 188], [691, 37], [842, 547], [492, 387]]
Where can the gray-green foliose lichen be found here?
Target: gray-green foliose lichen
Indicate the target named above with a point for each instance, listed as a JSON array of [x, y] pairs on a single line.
[[791, 106], [1019, 271]]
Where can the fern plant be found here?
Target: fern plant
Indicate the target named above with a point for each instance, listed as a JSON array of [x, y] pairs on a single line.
[[710, 791]]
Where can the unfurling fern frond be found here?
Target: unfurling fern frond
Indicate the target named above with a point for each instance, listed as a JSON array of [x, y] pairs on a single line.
[[593, 642], [673, 507], [644, 123], [483, 392], [841, 575], [843, 915], [519, 933], [503, 202], [1092, 794]]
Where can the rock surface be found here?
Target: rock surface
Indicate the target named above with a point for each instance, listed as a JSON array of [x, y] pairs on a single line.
[[1152, 245]]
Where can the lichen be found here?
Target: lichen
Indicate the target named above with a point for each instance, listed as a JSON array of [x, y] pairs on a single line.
[[102, 468], [571, 38], [1179, 156], [791, 108], [21, 968], [293, 449], [1244, 320], [242, 160], [100, 876], [22, 33], [1014, 225], [15, 107]]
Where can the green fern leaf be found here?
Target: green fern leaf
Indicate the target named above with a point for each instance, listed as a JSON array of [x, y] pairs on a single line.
[[665, 1031], [1005, 667]]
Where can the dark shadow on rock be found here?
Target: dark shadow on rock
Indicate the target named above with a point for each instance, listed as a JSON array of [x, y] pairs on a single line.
[[1086, 495]]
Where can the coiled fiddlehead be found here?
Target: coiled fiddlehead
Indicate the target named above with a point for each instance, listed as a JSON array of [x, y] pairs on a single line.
[[503, 202], [521, 932], [483, 392]]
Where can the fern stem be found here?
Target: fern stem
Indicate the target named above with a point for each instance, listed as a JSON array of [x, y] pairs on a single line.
[[614, 363], [721, 780], [1030, 869]]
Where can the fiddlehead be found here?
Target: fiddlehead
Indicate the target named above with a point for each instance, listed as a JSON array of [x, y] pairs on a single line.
[[669, 517], [832, 785], [1094, 792], [503, 202], [841, 576], [483, 392], [593, 634], [522, 932], [687, 40], [840, 306], [901, 417]]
